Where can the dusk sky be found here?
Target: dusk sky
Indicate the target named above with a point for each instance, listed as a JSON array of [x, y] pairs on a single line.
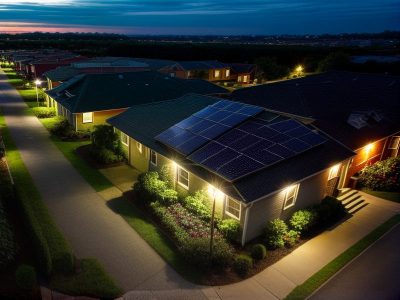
[[200, 17]]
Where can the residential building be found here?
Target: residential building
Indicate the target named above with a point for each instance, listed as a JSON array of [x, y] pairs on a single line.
[[258, 165], [211, 70], [361, 111], [89, 99], [242, 73]]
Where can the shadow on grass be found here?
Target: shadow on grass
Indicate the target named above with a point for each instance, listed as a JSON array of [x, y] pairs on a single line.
[[141, 222]]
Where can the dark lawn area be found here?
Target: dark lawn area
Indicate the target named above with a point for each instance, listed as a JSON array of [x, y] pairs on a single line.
[[391, 196]]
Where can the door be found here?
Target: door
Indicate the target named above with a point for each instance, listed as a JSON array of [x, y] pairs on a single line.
[[333, 181]]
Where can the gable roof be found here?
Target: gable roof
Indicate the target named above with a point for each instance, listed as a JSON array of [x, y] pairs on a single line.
[[237, 68], [97, 92], [202, 65], [332, 99], [61, 73], [145, 122]]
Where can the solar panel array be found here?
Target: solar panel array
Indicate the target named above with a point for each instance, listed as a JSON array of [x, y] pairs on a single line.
[[254, 145], [205, 125], [228, 138]]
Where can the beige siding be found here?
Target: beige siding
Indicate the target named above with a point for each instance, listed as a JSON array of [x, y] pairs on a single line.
[[139, 160], [311, 191], [99, 118]]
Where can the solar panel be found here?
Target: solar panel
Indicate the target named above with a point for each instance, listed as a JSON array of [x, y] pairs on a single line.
[[180, 139], [170, 133], [214, 131], [205, 112], [221, 158], [231, 136], [312, 139], [234, 106], [281, 151], [205, 152], [188, 122], [250, 126], [244, 142], [286, 125], [191, 144], [239, 167], [299, 131], [296, 145], [280, 138], [200, 126], [266, 132], [219, 115], [250, 110], [221, 104], [233, 119]]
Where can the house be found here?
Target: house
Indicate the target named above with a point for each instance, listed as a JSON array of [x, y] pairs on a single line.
[[259, 165], [89, 99], [242, 73], [211, 70], [361, 111], [39, 66]]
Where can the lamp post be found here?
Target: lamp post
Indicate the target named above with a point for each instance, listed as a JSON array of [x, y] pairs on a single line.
[[37, 82], [214, 191]]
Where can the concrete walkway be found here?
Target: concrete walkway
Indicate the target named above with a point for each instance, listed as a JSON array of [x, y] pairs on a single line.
[[94, 230], [90, 226]]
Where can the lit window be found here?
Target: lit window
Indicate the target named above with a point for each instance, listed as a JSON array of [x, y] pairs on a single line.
[[233, 208], [239, 78], [227, 73], [245, 78], [140, 147], [87, 117], [290, 196], [124, 139], [183, 178], [216, 73], [395, 142], [153, 157], [334, 172]]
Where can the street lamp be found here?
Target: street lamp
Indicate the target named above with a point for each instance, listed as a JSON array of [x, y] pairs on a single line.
[[37, 82]]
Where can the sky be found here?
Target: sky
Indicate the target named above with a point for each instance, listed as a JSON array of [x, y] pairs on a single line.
[[203, 17]]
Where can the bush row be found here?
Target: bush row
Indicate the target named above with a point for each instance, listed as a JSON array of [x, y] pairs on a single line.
[[7, 241], [43, 112], [106, 145], [382, 176], [64, 130]]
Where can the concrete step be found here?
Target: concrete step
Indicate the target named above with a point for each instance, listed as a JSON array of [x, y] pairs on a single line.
[[347, 195], [343, 191], [351, 199], [353, 204], [358, 207]]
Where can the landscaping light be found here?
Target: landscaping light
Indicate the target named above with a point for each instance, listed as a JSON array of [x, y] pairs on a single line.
[[216, 194], [38, 82]]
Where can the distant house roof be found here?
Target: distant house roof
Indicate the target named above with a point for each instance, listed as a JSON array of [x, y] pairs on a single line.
[[202, 65], [61, 73], [145, 122], [354, 108], [101, 62], [237, 68], [155, 64], [96, 92]]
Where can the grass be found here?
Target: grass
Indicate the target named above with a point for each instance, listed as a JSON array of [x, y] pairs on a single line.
[[391, 196], [92, 281], [315, 281]]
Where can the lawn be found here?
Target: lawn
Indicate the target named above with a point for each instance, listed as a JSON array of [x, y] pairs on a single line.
[[391, 196], [304, 290]]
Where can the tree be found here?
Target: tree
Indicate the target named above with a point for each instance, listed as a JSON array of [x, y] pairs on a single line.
[[269, 69], [334, 61]]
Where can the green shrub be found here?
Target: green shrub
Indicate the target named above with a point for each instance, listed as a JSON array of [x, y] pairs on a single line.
[[7, 242], [291, 238], [104, 137], [168, 196], [258, 251], [330, 211], [61, 128], [382, 176], [25, 277], [199, 204], [275, 232], [165, 175], [43, 112], [303, 220], [242, 264], [106, 156], [230, 229]]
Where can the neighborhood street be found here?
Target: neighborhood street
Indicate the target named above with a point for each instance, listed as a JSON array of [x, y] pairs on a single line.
[[373, 275]]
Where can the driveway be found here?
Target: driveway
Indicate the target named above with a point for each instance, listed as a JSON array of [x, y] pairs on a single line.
[[90, 226], [373, 275]]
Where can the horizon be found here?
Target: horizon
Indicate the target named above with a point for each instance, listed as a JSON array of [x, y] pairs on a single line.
[[211, 17]]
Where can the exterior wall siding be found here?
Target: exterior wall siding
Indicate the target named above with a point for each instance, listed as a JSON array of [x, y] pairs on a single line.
[[99, 118], [311, 191]]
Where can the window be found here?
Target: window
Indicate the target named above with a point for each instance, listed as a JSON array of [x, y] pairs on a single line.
[[232, 208], [334, 172], [183, 178], [124, 139], [153, 157], [291, 195], [395, 142], [140, 147], [227, 73], [246, 78], [239, 78], [216, 73], [87, 117]]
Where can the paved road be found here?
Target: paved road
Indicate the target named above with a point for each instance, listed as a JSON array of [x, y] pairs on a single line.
[[90, 226], [373, 275]]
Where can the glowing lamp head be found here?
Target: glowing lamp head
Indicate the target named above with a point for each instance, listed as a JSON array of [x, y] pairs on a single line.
[[299, 69], [214, 192], [369, 147], [38, 82]]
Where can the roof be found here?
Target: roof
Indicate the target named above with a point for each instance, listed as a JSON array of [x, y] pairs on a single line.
[[61, 73], [202, 65], [101, 62], [333, 100], [145, 122], [242, 68], [97, 92], [155, 64]]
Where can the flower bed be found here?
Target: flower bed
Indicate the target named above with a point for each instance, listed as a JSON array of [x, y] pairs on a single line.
[[382, 176]]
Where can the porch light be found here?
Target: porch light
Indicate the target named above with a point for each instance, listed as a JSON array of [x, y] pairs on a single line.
[[299, 69], [369, 147], [216, 194]]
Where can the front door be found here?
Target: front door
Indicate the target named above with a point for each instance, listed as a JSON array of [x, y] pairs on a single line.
[[333, 181]]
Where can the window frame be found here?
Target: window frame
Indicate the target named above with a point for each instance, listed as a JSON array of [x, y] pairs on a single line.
[[227, 206], [394, 138], [295, 189], [122, 140], [151, 156], [332, 169], [246, 78], [86, 121], [217, 72], [139, 146], [227, 73], [179, 175]]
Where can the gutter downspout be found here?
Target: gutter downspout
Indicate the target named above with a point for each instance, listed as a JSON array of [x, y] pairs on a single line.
[[246, 220]]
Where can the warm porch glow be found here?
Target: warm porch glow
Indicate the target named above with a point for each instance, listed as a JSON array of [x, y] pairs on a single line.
[[299, 69], [334, 171], [38, 82], [369, 147], [214, 192]]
